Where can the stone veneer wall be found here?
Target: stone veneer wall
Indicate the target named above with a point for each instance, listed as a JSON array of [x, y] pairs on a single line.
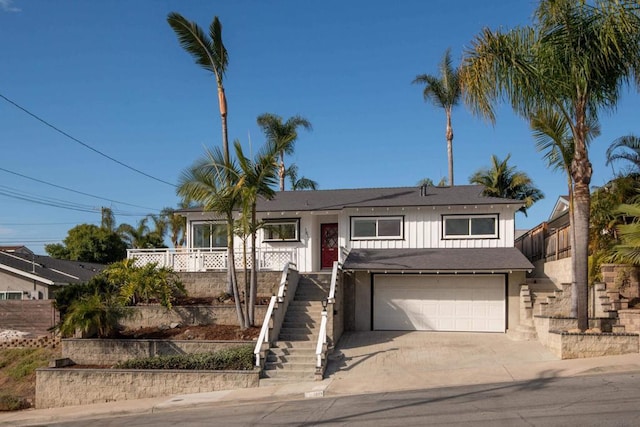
[[110, 351], [630, 319], [66, 387], [209, 283], [567, 345], [156, 315], [545, 324]]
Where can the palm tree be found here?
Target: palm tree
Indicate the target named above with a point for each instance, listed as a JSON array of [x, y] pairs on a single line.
[[302, 183], [502, 180], [625, 148], [283, 135], [177, 224], [429, 182], [443, 91], [257, 177], [211, 181], [209, 53], [574, 60]]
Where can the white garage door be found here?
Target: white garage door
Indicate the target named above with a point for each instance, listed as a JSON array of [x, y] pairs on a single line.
[[473, 303]]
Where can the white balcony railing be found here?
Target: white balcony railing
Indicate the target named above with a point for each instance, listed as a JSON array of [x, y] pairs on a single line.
[[205, 259]]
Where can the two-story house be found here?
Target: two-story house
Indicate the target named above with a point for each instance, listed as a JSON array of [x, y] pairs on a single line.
[[413, 258]]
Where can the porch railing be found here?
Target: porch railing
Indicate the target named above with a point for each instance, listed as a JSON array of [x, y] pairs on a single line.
[[207, 259]]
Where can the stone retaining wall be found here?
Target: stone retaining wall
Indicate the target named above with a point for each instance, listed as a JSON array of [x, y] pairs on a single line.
[[155, 315], [567, 345], [45, 341], [630, 319], [209, 283], [110, 351], [545, 324], [66, 387]]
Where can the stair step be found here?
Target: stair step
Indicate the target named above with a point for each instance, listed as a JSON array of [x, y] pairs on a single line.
[[296, 345], [290, 358], [299, 375], [290, 366]]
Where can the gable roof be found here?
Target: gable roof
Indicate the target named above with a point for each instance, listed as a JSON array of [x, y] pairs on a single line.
[[327, 200], [47, 270], [469, 260], [560, 208]]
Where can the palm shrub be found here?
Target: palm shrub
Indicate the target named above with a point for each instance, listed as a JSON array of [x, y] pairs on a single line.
[[93, 315]]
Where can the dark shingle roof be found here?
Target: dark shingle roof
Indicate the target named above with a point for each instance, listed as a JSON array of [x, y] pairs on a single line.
[[55, 270], [321, 200], [462, 260], [379, 197]]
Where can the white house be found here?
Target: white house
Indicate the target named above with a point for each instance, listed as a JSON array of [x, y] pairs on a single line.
[[413, 258]]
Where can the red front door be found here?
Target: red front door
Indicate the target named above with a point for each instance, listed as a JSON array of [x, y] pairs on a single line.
[[328, 245]]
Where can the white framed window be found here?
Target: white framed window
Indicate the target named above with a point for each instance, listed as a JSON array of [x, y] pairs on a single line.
[[282, 230], [5, 295], [209, 235], [470, 226], [377, 227]]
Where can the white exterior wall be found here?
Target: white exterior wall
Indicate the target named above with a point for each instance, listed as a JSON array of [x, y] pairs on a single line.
[[422, 229]]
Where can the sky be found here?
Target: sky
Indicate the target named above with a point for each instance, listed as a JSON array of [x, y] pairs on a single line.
[[112, 76]]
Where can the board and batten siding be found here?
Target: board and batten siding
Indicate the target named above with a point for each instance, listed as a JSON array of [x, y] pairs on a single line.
[[423, 228]]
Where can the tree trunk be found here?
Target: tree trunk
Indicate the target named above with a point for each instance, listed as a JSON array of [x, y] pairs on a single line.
[[254, 269], [282, 171], [450, 147], [247, 309], [231, 272], [572, 240], [222, 102], [581, 173]]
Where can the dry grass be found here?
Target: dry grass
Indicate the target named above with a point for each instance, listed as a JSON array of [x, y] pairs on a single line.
[[18, 375]]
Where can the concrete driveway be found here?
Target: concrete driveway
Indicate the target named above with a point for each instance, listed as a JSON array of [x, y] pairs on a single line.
[[389, 360]]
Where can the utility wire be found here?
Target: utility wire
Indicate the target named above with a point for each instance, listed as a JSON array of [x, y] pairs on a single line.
[[84, 144], [47, 201], [75, 191]]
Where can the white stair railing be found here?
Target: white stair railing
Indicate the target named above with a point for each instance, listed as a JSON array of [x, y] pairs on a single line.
[[331, 299], [273, 318]]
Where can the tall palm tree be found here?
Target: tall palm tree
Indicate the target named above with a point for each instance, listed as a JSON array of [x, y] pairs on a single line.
[[443, 91], [211, 181], [575, 60], [209, 53], [625, 148], [257, 178], [502, 180], [283, 135], [552, 134], [301, 183]]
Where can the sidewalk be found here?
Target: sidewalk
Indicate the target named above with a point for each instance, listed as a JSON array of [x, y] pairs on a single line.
[[376, 362]]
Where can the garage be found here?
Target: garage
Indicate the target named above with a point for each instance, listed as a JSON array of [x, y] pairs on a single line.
[[415, 302]]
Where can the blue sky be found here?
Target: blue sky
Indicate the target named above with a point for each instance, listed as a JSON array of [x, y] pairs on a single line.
[[112, 75]]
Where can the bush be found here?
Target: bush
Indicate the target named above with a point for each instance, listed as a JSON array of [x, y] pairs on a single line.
[[231, 359], [12, 403]]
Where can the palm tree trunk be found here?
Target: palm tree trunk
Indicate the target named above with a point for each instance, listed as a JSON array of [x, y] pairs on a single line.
[[247, 315], [231, 272], [572, 254], [254, 268], [281, 172], [450, 147], [222, 103], [581, 172]]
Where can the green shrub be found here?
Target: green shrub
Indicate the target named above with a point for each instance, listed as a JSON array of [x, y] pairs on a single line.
[[231, 359], [12, 403]]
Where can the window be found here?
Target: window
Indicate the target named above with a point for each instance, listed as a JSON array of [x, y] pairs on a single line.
[[282, 230], [477, 226], [209, 235], [384, 227], [4, 295]]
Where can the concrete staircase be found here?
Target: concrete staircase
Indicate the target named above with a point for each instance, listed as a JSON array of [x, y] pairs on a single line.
[[293, 358]]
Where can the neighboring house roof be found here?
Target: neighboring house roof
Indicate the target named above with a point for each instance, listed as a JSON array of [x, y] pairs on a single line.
[[561, 208], [438, 260], [47, 270], [326, 200], [19, 249]]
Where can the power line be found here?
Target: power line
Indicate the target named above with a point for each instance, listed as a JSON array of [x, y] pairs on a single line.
[[75, 191], [82, 143], [15, 224], [58, 203]]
